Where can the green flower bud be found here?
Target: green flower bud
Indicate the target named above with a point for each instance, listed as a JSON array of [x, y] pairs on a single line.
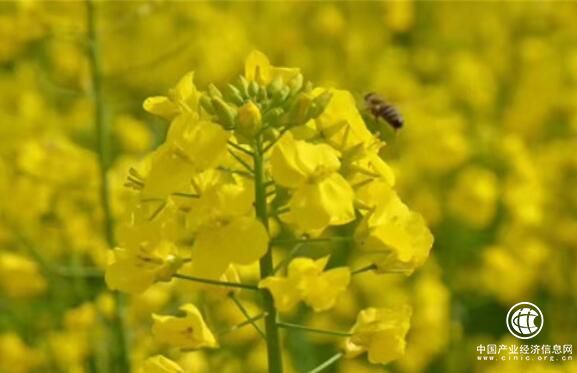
[[242, 86], [300, 109], [273, 116], [249, 119], [274, 87], [226, 114], [262, 95], [213, 91], [253, 88], [296, 84], [206, 104], [270, 134], [319, 104], [280, 96], [233, 94]]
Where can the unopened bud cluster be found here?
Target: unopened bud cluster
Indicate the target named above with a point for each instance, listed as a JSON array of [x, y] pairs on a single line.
[[250, 107]]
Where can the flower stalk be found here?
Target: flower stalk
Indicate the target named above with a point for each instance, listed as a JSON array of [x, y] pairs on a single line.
[[216, 282], [330, 361], [266, 263], [312, 330], [243, 324], [103, 148], [245, 313]]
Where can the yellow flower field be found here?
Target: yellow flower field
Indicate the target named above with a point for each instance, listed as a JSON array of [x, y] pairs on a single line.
[[289, 186]]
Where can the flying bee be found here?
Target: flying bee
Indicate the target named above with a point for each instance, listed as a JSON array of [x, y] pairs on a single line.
[[380, 108]]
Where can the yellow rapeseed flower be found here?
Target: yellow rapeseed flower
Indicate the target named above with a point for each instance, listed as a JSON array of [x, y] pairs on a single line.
[[341, 123], [134, 270], [306, 281], [189, 332], [396, 237], [258, 68], [321, 196], [381, 333], [160, 364], [17, 356], [30, 281], [249, 119], [225, 230], [192, 146], [180, 99]]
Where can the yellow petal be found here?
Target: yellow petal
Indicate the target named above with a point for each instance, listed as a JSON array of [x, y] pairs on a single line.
[[386, 347], [160, 364], [247, 240], [241, 240], [161, 106], [169, 172], [186, 92], [301, 266], [329, 202], [202, 143], [322, 293], [382, 332], [307, 210], [286, 167], [337, 198], [285, 293], [317, 159], [341, 121], [189, 332], [126, 276], [257, 67]]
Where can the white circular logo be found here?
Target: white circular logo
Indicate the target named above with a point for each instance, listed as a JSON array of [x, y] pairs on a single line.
[[525, 320]]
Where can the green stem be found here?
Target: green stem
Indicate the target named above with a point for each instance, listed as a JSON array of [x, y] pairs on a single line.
[[245, 174], [269, 146], [266, 265], [288, 258], [216, 282], [370, 267], [281, 211], [186, 195], [373, 267], [241, 161], [238, 147], [242, 324], [103, 146], [102, 128], [311, 240], [330, 361], [287, 325], [245, 313]]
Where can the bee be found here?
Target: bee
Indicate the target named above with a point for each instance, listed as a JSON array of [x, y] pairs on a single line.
[[380, 108]]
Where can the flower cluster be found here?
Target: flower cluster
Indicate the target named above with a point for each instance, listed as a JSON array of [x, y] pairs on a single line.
[[267, 161]]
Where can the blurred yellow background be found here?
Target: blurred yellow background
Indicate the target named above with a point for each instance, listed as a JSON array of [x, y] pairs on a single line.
[[488, 155]]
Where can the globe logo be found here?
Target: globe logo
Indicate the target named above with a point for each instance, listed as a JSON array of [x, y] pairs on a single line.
[[525, 320]]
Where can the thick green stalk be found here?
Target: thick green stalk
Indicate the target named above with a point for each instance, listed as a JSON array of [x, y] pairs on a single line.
[[103, 145], [101, 126], [266, 265]]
